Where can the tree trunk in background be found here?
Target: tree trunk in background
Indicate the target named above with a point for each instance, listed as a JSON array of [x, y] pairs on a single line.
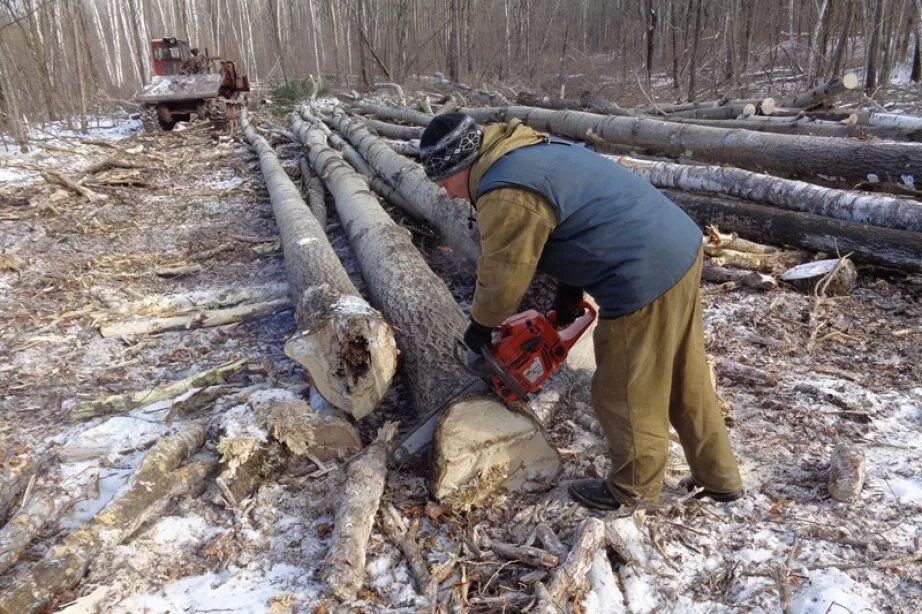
[[650, 37], [870, 78], [696, 38], [815, 49], [839, 55]]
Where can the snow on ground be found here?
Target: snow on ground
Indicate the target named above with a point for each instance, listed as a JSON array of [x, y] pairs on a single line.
[[86, 264]]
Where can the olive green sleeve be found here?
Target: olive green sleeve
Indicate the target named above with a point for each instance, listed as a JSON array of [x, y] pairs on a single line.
[[514, 226]]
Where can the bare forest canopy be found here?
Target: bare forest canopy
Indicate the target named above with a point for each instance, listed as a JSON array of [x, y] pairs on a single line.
[[60, 57]]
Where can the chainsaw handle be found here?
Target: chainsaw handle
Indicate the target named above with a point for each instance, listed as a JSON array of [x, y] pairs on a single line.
[[572, 333]]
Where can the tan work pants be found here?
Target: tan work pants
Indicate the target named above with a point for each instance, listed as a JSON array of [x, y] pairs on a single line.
[[652, 372]]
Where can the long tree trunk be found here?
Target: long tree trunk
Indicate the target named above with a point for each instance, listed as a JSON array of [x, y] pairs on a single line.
[[870, 77], [730, 111], [344, 345], [399, 114], [807, 125], [887, 247], [875, 209], [429, 202], [428, 321], [849, 160]]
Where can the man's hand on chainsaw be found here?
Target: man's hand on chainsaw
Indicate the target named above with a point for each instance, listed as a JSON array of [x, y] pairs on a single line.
[[566, 304], [476, 337]]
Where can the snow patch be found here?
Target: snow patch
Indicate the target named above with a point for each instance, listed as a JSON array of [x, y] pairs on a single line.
[[829, 590], [906, 490]]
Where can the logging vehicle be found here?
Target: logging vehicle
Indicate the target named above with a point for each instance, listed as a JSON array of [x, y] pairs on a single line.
[[186, 82]]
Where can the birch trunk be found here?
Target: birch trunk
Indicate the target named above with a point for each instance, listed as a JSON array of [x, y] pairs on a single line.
[[345, 346], [818, 94], [399, 114], [900, 249], [791, 155], [876, 209], [807, 125], [449, 217]]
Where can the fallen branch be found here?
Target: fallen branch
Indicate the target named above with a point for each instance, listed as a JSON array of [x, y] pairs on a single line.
[[405, 538], [15, 475], [571, 575], [156, 483], [200, 319], [530, 555], [121, 403], [751, 279], [41, 509], [344, 565]]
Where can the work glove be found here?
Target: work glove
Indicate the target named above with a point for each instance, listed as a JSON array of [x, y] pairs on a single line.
[[566, 304], [476, 337]]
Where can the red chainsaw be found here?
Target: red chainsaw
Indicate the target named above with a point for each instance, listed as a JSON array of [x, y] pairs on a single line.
[[527, 349]]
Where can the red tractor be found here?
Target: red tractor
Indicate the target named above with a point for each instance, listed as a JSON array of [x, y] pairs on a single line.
[[186, 83]]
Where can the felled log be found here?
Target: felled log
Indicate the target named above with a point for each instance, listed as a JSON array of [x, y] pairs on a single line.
[[804, 125], [874, 119], [42, 508], [345, 346], [393, 131], [120, 403], [888, 247], [15, 475], [214, 298], [399, 114], [312, 187], [818, 94], [344, 565], [198, 319], [847, 471], [877, 209], [353, 157], [404, 148], [730, 111], [572, 573], [751, 279], [449, 217], [156, 483], [838, 277], [764, 263], [428, 320], [848, 160], [586, 102]]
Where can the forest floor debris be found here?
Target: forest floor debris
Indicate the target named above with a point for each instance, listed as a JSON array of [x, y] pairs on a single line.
[[847, 369]]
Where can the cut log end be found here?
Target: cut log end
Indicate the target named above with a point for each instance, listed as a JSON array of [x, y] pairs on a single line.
[[850, 81], [480, 447], [350, 359], [833, 277]]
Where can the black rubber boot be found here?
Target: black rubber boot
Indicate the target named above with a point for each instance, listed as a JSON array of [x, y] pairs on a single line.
[[593, 494], [720, 497]]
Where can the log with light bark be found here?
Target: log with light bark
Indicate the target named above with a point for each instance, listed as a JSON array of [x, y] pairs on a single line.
[[345, 346], [344, 566], [572, 573], [399, 114], [428, 321], [393, 131], [804, 125], [404, 148], [312, 187], [155, 484], [875, 209], [730, 111], [197, 319], [873, 119], [900, 249], [818, 94], [42, 508], [844, 159], [750, 279], [449, 217], [15, 474], [124, 402]]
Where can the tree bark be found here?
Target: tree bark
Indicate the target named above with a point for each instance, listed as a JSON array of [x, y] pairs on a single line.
[[449, 217], [731, 110], [875, 209], [393, 131], [42, 508], [15, 475], [791, 155], [820, 93], [572, 573], [870, 76], [199, 319], [345, 346], [312, 187], [805, 125], [399, 114], [156, 483], [344, 566], [900, 249]]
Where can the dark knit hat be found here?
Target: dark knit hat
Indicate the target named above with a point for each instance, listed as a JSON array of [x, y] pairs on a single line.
[[450, 143]]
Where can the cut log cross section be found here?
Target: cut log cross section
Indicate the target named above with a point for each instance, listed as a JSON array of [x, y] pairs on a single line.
[[346, 347]]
